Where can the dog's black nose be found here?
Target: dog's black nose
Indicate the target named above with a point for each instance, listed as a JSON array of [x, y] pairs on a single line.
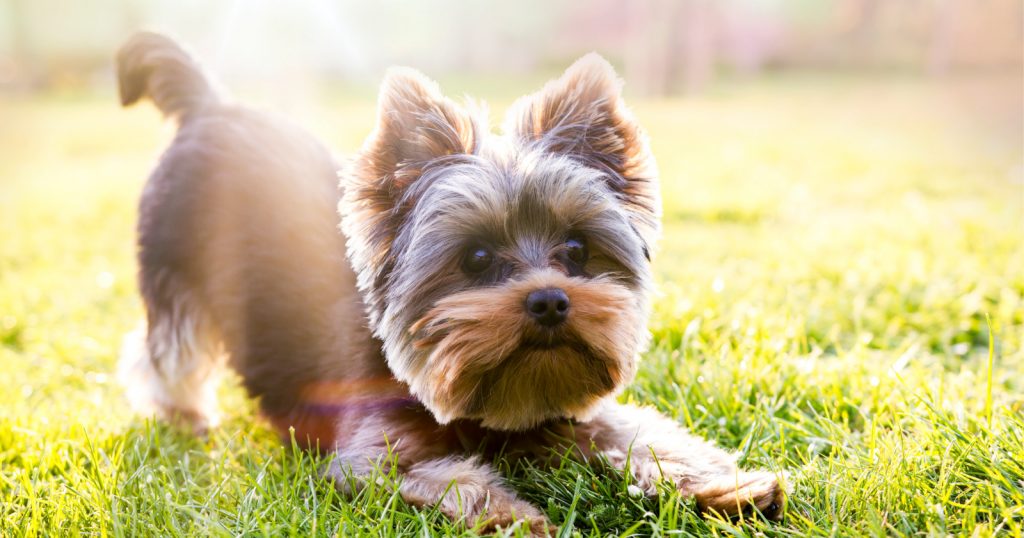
[[549, 306]]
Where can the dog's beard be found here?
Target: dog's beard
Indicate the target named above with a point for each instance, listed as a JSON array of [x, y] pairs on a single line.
[[486, 359]]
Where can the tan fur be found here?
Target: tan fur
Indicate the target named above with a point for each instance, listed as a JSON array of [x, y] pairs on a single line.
[[488, 361]]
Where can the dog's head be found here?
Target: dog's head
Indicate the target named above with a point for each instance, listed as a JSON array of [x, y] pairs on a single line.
[[508, 276]]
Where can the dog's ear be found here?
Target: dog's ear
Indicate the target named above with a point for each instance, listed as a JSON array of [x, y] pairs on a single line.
[[582, 115], [416, 127], [416, 124]]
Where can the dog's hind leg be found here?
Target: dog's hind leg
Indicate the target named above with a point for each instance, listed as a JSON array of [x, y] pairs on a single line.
[[172, 366]]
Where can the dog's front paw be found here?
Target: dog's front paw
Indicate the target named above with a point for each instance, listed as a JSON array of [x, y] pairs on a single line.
[[732, 495], [467, 490], [490, 509], [503, 512]]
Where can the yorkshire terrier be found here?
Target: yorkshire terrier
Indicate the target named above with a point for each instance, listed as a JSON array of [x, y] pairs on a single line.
[[483, 291]]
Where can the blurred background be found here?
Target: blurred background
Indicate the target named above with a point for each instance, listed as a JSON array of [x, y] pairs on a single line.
[[665, 46]]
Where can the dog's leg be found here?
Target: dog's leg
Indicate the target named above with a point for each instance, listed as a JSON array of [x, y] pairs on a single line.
[[656, 448], [432, 470], [172, 367], [466, 488]]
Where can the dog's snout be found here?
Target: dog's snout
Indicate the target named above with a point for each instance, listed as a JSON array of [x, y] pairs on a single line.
[[548, 306]]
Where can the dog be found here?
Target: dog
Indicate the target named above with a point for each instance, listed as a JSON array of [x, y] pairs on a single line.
[[456, 292]]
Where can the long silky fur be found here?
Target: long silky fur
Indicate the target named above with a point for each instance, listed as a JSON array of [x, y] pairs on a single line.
[[431, 178]]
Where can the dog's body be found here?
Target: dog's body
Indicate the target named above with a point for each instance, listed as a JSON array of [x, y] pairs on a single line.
[[495, 286], [239, 205]]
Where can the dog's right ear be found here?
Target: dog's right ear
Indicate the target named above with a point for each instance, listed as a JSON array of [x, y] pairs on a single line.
[[416, 127], [416, 124]]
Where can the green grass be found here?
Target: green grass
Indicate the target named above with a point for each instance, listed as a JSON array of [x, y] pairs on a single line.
[[833, 253]]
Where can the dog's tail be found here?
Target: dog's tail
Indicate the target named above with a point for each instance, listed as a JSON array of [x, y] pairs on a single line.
[[153, 65]]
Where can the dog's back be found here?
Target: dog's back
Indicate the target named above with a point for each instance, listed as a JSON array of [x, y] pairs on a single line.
[[239, 249]]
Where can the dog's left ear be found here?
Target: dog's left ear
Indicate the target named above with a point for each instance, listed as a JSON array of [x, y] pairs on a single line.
[[582, 115]]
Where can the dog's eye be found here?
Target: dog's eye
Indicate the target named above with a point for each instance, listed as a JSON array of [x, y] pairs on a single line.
[[576, 250], [477, 260]]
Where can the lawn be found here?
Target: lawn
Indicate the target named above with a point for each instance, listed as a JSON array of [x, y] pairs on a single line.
[[841, 299]]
